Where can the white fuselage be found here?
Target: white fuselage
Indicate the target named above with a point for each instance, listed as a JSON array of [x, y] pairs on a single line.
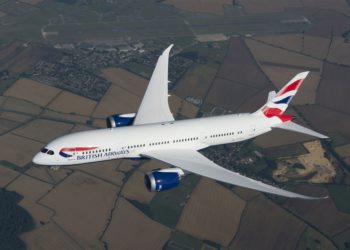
[[133, 141]]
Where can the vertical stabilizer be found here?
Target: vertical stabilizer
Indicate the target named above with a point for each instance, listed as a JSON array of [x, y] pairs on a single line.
[[278, 103]]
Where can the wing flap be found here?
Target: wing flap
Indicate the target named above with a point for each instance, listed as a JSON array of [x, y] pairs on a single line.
[[195, 162], [154, 106]]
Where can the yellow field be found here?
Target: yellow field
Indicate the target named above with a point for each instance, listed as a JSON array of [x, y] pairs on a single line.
[[68, 102], [116, 101], [199, 220], [77, 201], [180, 106], [18, 150], [127, 223], [124, 79], [135, 189], [43, 130], [32, 91]]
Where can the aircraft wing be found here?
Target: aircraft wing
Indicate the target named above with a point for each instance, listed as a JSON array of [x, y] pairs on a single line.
[[195, 162], [154, 106]]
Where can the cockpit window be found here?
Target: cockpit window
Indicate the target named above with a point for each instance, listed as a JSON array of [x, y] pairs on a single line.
[[44, 150], [50, 152]]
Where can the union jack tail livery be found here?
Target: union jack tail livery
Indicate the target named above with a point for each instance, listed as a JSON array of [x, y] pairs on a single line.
[[278, 103]]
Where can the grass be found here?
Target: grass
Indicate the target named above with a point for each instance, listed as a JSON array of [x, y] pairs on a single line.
[[337, 139], [342, 240], [140, 69], [180, 240], [311, 239], [208, 51], [167, 206], [341, 197]]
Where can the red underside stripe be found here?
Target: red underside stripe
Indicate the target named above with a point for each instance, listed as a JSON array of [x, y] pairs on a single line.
[[271, 112]]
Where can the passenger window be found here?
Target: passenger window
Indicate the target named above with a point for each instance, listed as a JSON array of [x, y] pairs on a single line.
[[50, 152]]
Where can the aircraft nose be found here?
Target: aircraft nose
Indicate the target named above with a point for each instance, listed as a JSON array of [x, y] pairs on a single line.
[[38, 159]]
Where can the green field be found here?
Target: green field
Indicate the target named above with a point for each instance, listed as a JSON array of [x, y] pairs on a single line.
[[341, 197], [139, 69], [180, 240], [167, 206], [337, 139], [207, 51], [311, 239], [342, 240]]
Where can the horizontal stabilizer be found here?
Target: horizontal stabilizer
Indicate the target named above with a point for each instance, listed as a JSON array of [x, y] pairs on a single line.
[[297, 128], [272, 94]]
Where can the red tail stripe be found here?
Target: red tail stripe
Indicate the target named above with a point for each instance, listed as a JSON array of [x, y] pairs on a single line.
[[270, 112], [292, 86], [78, 149]]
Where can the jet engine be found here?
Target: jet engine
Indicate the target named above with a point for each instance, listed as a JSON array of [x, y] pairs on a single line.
[[160, 180], [120, 120]]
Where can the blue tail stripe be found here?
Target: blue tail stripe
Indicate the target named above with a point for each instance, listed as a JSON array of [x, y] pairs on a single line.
[[284, 100]]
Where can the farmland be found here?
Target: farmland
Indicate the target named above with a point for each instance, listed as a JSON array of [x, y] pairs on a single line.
[[67, 65]]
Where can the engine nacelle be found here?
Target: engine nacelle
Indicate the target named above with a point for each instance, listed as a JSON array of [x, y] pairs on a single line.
[[160, 180], [118, 120]]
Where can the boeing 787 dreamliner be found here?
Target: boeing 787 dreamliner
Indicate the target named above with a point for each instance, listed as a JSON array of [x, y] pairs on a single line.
[[153, 133]]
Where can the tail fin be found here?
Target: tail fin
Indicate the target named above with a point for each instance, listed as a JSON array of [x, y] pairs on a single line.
[[278, 103]]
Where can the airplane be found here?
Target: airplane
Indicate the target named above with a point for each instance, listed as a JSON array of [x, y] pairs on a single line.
[[153, 133]]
